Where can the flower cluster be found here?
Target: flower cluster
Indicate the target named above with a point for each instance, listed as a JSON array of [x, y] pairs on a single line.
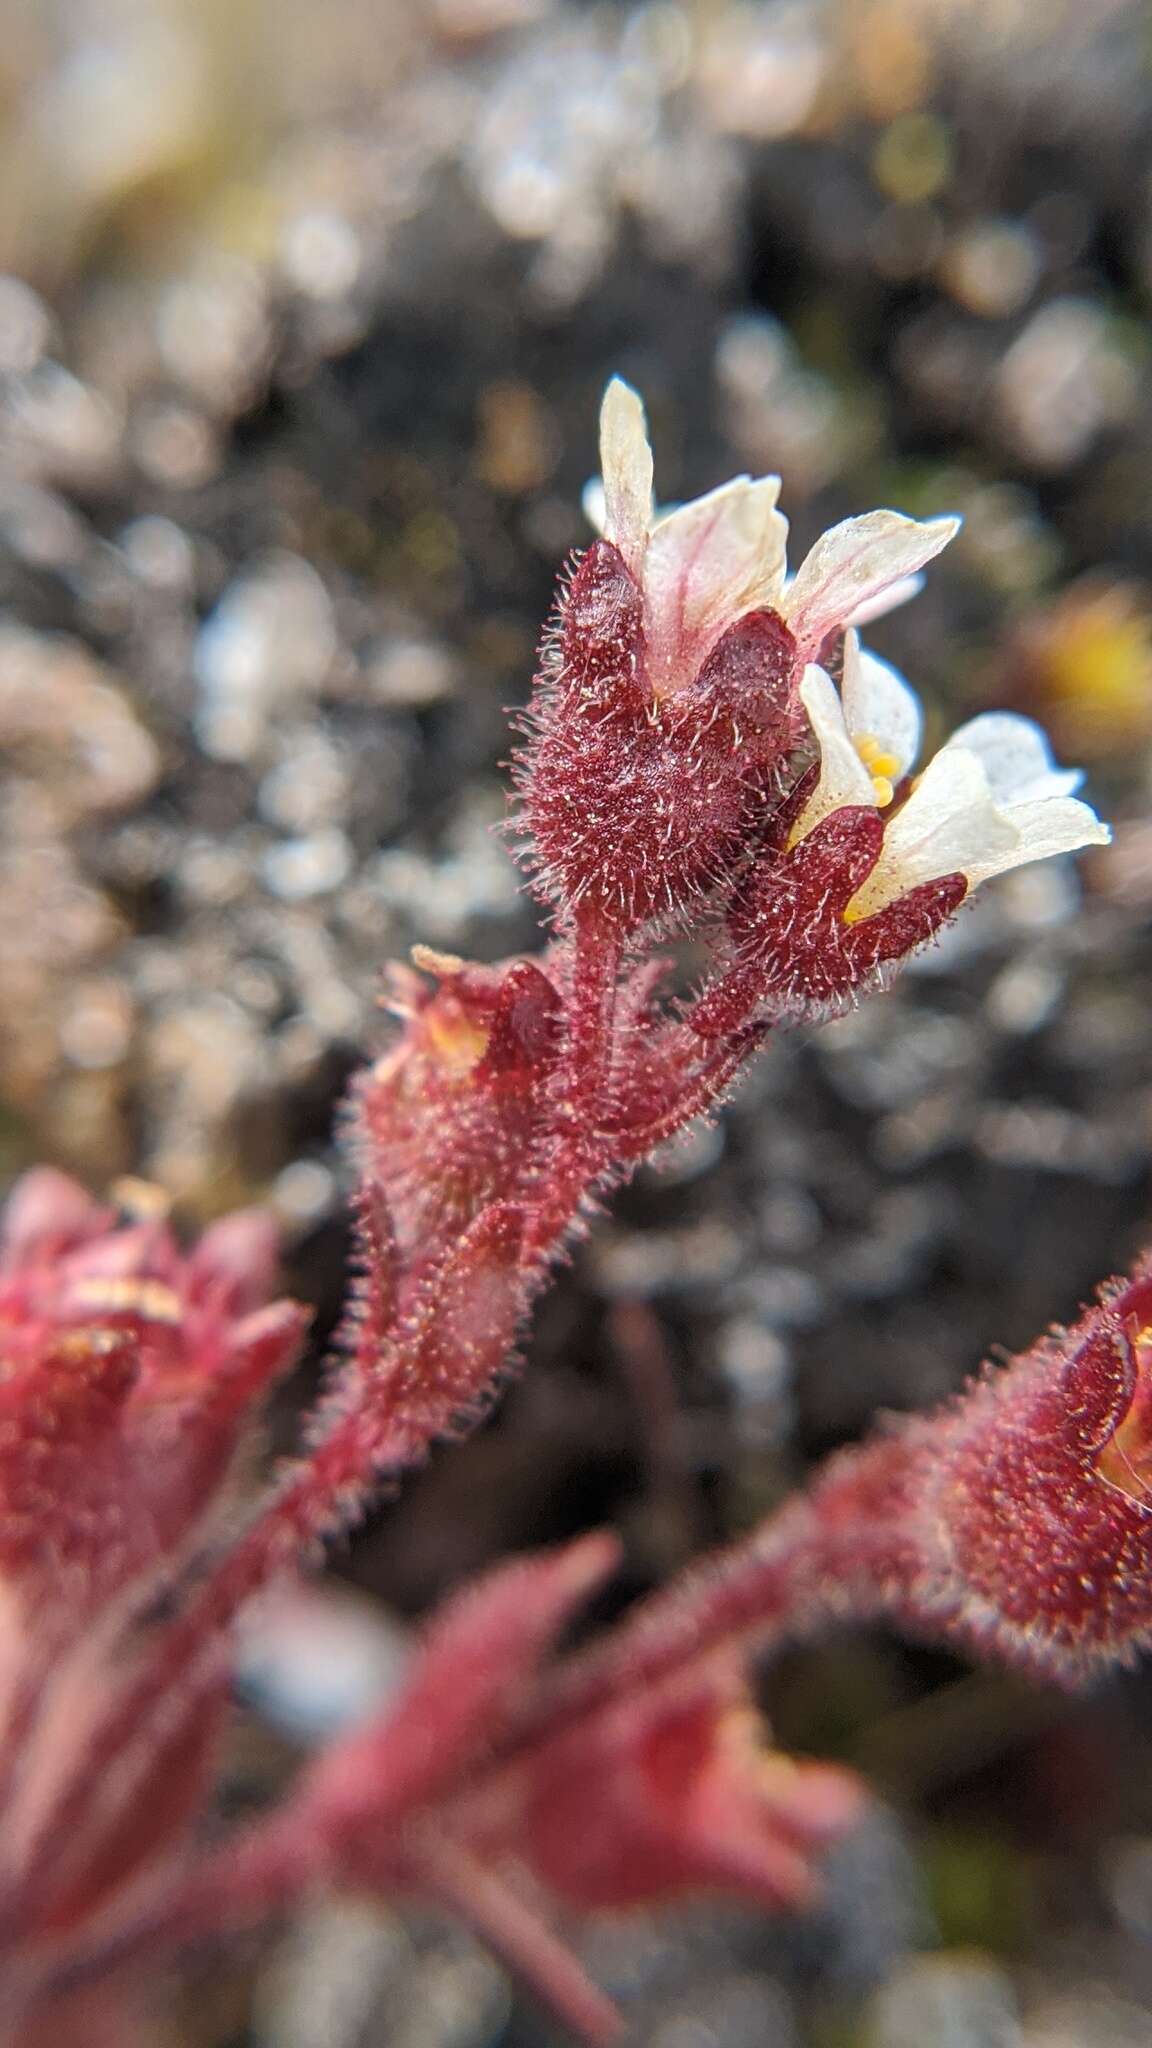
[[709, 749], [129, 1371], [692, 761]]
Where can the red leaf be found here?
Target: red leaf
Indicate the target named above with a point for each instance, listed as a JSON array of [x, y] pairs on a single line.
[[480, 1652]]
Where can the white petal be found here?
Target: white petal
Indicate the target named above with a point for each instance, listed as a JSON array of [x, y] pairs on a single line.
[[707, 564], [626, 468], [949, 823], [594, 504], [945, 816], [853, 564], [878, 702], [953, 824], [844, 779], [889, 600], [1044, 827], [1017, 757]]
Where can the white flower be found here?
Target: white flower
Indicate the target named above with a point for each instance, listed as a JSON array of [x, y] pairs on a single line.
[[868, 738], [990, 800], [704, 565], [854, 567]]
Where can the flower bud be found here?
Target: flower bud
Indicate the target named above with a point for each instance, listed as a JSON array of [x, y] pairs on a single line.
[[672, 1793], [637, 803], [444, 1123]]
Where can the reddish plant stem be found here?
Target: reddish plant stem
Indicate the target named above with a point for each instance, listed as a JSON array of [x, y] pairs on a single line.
[[591, 1002], [23, 1715], [229, 1892], [702, 1092], [321, 1494], [648, 1372], [834, 1552], [514, 1933], [577, 1095], [326, 1491], [236, 1890]]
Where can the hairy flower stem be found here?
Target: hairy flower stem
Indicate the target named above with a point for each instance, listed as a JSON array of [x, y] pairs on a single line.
[[574, 1144], [816, 1559], [703, 1091], [595, 967], [909, 1527], [327, 1491], [321, 1495], [457, 1880]]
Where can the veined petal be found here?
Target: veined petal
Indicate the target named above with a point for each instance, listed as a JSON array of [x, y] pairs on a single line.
[[855, 563], [950, 823], [953, 823], [626, 469], [880, 705], [1044, 826], [844, 779], [1017, 757], [889, 600], [708, 564]]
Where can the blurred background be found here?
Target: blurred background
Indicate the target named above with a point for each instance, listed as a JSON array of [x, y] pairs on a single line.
[[304, 318]]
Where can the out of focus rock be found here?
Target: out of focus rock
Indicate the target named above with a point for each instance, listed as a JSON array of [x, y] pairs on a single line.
[[953, 2000]]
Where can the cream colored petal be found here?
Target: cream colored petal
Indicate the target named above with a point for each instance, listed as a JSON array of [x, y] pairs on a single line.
[[855, 563], [708, 563], [594, 505], [953, 824], [626, 469], [880, 705], [889, 600], [1017, 757], [844, 779], [1044, 827], [949, 822]]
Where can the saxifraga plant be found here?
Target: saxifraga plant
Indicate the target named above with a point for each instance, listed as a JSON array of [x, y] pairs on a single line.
[[708, 750]]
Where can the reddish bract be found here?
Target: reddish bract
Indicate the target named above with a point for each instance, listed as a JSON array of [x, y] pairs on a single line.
[[129, 1371], [672, 1793], [637, 805]]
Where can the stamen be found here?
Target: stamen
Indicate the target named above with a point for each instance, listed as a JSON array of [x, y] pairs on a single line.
[[151, 1299], [882, 765]]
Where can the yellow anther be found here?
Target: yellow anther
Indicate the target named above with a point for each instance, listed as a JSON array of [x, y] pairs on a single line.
[[456, 1040], [442, 965], [151, 1299], [882, 765], [875, 754]]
